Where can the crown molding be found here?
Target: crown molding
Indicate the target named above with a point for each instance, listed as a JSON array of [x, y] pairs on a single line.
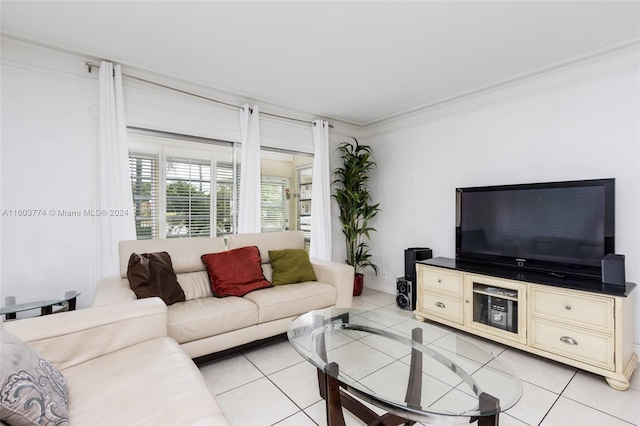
[[34, 55], [29, 55], [617, 59]]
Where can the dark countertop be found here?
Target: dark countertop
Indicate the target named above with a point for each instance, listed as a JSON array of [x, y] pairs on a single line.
[[573, 283]]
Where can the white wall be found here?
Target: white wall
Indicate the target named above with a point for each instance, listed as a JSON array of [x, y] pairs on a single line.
[[47, 164], [49, 103], [582, 131]]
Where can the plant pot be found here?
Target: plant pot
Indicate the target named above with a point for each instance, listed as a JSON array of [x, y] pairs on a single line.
[[358, 284]]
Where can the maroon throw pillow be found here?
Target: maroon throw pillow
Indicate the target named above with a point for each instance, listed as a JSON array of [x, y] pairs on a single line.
[[152, 275], [235, 272]]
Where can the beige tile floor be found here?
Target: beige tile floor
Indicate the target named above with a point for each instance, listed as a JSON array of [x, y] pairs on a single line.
[[273, 385]]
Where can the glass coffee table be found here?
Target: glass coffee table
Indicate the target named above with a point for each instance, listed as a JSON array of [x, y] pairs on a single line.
[[66, 301], [414, 371]]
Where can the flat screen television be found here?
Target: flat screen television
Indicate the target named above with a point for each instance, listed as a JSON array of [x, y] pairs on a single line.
[[562, 228]]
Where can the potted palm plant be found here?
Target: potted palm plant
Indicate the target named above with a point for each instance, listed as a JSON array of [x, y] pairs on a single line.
[[356, 208]]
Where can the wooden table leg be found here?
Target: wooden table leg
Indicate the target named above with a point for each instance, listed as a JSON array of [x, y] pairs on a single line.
[[332, 396], [489, 403], [413, 396], [336, 399]]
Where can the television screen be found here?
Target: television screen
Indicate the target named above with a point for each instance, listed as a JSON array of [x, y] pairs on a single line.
[[559, 226]]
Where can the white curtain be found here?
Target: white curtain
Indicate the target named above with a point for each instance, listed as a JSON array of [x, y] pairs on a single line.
[[115, 201], [320, 246], [249, 204]]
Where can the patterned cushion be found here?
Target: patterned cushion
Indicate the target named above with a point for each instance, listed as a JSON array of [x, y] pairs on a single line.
[[32, 391]]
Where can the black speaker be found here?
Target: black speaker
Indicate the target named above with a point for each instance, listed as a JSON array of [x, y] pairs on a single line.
[[405, 294], [410, 256], [613, 269]]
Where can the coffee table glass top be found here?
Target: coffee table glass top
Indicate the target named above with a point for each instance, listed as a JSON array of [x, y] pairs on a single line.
[[374, 351]]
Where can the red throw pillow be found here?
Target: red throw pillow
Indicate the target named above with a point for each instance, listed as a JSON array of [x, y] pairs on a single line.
[[235, 272]]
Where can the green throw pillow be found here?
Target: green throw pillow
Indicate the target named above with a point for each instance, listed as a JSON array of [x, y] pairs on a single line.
[[291, 266]]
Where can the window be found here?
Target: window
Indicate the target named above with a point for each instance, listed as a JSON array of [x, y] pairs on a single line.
[[181, 186], [225, 212], [188, 198], [144, 184], [187, 186], [274, 204]]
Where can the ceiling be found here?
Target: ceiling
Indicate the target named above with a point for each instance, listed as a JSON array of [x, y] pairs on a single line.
[[358, 62]]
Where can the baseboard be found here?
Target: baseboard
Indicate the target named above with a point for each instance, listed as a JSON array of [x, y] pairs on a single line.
[[375, 284]]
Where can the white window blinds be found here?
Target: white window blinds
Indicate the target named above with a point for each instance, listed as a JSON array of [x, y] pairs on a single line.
[[189, 187], [144, 184], [188, 197], [224, 199]]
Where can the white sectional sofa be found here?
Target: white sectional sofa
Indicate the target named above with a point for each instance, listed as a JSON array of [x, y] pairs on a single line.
[[119, 365], [204, 324]]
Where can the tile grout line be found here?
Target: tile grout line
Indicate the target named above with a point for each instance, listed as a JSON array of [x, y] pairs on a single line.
[[550, 408], [599, 410], [265, 376], [300, 409]]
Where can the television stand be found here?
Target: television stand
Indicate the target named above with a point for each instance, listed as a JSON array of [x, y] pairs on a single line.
[[578, 322]]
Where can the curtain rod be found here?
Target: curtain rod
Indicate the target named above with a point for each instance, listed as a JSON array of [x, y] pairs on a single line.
[[90, 66]]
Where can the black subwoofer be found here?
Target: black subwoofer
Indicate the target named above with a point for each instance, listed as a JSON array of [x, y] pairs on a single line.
[[410, 256]]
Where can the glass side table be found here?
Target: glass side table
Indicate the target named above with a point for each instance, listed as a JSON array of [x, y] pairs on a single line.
[[66, 301]]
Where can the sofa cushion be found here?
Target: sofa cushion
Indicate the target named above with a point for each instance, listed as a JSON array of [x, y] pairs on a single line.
[[209, 316], [185, 252], [291, 266], [284, 301], [235, 272], [151, 275], [267, 241], [150, 383], [32, 391], [195, 284]]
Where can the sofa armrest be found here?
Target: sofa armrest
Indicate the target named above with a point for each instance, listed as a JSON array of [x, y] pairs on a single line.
[[69, 338], [113, 290], [338, 274]]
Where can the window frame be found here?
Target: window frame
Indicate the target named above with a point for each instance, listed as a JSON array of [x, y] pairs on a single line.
[[164, 146]]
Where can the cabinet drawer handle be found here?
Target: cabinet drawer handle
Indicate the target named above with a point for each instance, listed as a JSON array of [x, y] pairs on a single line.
[[439, 280], [568, 340], [568, 307], [440, 305]]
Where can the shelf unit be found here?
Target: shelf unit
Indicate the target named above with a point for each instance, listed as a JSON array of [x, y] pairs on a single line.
[[303, 193]]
